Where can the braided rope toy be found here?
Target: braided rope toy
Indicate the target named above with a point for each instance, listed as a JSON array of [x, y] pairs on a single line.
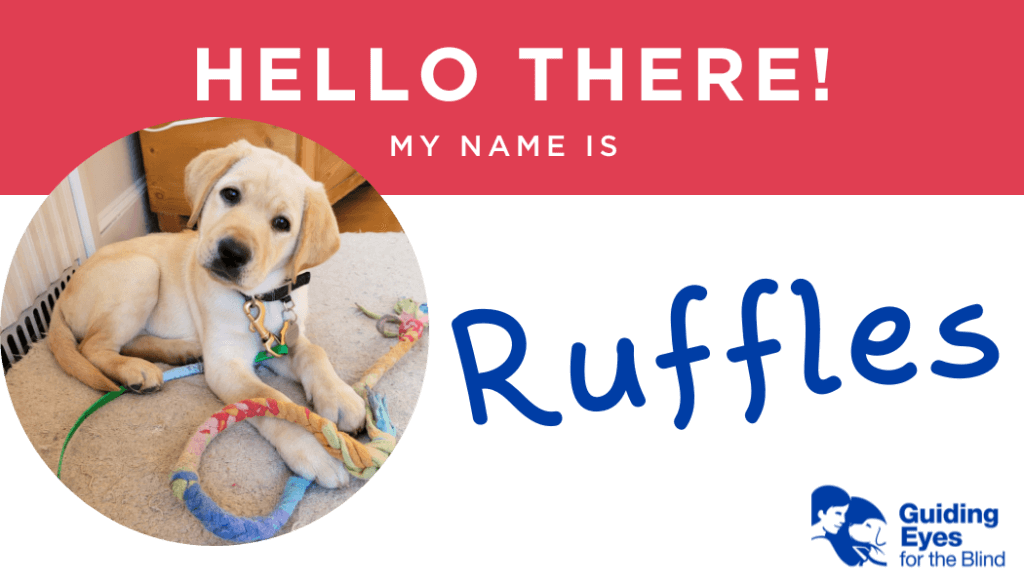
[[361, 460]]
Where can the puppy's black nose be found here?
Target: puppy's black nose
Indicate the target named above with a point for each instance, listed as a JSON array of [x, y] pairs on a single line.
[[233, 254]]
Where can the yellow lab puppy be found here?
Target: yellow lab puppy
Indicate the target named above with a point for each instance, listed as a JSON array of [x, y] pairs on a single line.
[[172, 298]]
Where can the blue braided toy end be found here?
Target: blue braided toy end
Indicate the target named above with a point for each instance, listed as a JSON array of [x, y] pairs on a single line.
[[233, 528], [379, 406]]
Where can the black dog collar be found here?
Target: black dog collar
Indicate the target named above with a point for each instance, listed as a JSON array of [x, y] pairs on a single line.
[[283, 292]]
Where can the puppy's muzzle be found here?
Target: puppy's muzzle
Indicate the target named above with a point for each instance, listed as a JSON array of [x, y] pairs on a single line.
[[231, 257]]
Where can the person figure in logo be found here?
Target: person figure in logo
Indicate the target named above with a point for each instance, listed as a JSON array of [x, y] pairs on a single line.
[[828, 515], [828, 511]]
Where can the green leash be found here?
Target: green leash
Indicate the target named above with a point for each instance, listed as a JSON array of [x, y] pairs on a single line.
[[169, 375], [95, 406]]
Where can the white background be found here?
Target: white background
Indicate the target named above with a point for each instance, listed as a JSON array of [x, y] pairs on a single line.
[[623, 496]]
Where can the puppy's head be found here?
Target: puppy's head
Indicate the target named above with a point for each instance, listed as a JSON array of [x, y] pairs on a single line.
[[261, 215]]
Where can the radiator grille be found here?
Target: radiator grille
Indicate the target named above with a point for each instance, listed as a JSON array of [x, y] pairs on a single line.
[[33, 323], [48, 254]]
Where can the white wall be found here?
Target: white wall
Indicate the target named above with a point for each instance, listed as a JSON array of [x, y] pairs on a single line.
[[114, 188]]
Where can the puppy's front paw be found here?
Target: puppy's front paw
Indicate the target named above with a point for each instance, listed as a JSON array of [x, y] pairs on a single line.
[[340, 404], [305, 457], [140, 376]]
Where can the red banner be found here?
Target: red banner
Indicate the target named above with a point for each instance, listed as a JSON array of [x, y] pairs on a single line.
[[920, 98]]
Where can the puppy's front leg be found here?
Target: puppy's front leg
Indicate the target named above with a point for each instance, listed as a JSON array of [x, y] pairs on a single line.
[[233, 381], [332, 398]]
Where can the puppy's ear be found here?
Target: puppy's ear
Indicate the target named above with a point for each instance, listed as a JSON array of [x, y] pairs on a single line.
[[318, 236], [204, 170]]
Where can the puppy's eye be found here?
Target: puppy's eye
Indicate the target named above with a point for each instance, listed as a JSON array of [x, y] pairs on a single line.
[[231, 195], [281, 224]]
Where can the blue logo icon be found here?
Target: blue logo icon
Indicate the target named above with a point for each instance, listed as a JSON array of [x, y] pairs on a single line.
[[852, 526]]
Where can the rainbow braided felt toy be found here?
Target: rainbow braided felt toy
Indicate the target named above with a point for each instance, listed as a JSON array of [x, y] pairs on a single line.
[[360, 460], [412, 321]]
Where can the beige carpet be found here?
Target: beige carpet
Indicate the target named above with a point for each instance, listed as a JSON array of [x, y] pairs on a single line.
[[119, 460]]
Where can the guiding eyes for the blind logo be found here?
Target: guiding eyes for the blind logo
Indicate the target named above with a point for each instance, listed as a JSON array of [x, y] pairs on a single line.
[[853, 527]]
